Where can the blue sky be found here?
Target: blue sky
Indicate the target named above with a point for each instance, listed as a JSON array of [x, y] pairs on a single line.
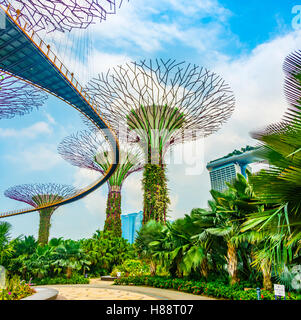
[[245, 42]]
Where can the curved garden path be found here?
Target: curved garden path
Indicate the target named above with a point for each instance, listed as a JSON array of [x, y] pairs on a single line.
[[105, 290]]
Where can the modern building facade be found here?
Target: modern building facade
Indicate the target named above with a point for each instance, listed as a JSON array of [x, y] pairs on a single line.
[[225, 169], [130, 224]]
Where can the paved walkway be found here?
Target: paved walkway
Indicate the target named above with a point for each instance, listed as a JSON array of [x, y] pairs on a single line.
[[105, 290]]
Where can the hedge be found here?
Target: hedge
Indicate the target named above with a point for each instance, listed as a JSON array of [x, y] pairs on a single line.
[[215, 289], [75, 279]]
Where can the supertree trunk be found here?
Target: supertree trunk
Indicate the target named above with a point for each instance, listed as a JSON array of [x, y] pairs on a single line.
[[156, 200], [232, 263], [113, 220], [44, 228]]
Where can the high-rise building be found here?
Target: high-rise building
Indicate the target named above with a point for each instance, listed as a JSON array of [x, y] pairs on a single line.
[[130, 224], [225, 169]]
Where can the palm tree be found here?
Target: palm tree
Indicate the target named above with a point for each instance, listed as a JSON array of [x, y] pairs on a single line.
[[71, 256], [150, 232], [24, 248], [213, 247], [260, 252], [281, 146], [184, 245], [232, 207], [6, 247], [175, 249], [105, 250]]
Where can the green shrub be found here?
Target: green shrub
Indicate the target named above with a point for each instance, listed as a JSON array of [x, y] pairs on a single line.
[[131, 267], [16, 289], [75, 279], [215, 289]]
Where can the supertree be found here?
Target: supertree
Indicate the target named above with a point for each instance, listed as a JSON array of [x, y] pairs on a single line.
[[91, 151], [39, 195], [162, 103], [18, 97], [61, 15]]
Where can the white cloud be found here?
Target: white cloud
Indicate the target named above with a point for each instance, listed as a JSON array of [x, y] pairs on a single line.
[[95, 203], [101, 61], [50, 119], [174, 213], [143, 26], [84, 177], [196, 7], [257, 81], [39, 157], [31, 132], [132, 195]]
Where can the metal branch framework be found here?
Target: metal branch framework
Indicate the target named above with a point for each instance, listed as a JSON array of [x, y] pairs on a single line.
[[61, 15], [292, 90], [162, 102], [18, 97], [91, 151], [292, 87], [40, 194]]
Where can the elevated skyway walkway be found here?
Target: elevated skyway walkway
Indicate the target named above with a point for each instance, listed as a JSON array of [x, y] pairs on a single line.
[[27, 57]]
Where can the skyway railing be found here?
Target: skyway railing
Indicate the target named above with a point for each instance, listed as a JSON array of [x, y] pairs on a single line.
[[51, 56]]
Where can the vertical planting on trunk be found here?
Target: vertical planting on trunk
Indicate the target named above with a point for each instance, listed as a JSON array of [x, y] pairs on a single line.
[[113, 211], [159, 104], [92, 151], [40, 195], [155, 200], [44, 226]]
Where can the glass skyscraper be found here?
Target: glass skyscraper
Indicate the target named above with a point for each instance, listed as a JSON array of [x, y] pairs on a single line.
[[130, 224]]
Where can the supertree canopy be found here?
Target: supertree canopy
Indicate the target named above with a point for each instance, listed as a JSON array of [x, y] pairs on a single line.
[[18, 97], [39, 195], [162, 103], [61, 15], [91, 151]]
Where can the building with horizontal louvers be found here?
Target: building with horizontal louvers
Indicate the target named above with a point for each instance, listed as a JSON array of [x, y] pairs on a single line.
[[225, 169]]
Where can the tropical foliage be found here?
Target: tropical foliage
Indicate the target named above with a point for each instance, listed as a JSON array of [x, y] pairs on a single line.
[[62, 261], [219, 242], [217, 288], [131, 267], [15, 289]]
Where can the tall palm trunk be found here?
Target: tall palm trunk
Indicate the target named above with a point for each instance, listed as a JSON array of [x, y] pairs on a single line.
[[44, 227], [113, 219], [266, 272], [204, 268], [69, 272], [153, 268], [232, 263]]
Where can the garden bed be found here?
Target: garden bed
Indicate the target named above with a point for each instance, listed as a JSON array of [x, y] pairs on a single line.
[[212, 289]]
